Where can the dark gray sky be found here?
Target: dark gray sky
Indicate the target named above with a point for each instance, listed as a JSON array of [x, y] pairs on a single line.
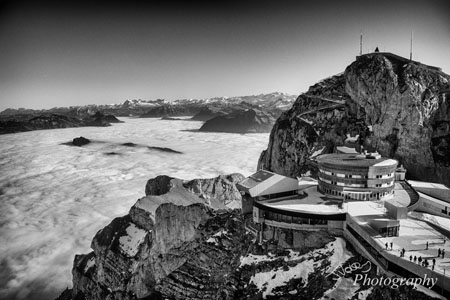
[[73, 53]]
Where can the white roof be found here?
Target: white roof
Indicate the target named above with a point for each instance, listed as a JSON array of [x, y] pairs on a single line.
[[265, 182]]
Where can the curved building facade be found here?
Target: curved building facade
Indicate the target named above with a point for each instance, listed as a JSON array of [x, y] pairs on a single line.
[[356, 176]]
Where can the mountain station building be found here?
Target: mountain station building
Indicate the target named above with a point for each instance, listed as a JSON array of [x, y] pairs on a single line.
[[366, 199]]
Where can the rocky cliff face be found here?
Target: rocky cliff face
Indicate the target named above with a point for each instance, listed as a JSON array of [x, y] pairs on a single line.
[[178, 242], [381, 102]]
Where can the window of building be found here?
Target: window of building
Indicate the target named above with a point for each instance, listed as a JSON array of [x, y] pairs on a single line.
[[389, 231]]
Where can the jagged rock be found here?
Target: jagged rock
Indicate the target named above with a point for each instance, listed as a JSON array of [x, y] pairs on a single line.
[[161, 185], [173, 243], [396, 106], [221, 188], [80, 141]]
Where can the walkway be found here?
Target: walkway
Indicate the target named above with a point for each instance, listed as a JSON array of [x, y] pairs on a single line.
[[323, 107], [340, 101]]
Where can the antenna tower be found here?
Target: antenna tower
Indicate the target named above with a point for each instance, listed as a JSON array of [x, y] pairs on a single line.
[[360, 43], [411, 46]]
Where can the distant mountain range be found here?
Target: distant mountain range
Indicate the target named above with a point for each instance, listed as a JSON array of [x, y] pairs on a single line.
[[264, 109]]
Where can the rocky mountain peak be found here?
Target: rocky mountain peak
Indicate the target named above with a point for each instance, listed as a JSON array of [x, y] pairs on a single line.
[[390, 104]]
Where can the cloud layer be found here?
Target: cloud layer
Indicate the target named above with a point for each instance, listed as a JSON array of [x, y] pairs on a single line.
[[54, 198]]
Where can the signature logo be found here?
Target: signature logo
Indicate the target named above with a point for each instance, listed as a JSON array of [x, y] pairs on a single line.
[[356, 266], [393, 282]]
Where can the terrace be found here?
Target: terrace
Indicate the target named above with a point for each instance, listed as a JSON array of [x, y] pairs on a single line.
[[413, 237], [308, 200]]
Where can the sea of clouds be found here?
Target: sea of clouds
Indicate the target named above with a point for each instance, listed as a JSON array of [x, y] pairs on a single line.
[[54, 197]]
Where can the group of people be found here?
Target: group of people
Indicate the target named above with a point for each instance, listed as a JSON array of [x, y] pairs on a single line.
[[387, 246], [422, 261]]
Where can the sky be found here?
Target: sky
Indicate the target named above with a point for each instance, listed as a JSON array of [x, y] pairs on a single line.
[[75, 53]]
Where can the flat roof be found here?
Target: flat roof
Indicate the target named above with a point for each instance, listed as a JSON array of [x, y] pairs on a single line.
[[365, 210], [436, 190], [256, 178], [354, 160], [401, 196], [262, 175], [309, 200]]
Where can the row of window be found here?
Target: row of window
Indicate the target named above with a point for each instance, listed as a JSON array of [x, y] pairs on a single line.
[[389, 175], [436, 208], [348, 184], [384, 184], [389, 231], [361, 185], [355, 196], [278, 195], [291, 219]]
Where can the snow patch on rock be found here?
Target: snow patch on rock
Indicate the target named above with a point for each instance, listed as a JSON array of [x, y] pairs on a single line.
[[351, 139], [90, 263], [268, 281], [129, 243], [279, 277]]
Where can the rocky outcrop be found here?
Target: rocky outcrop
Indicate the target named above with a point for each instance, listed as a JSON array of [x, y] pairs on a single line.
[[161, 184], [173, 243], [248, 121], [381, 102], [80, 141], [186, 247], [222, 188]]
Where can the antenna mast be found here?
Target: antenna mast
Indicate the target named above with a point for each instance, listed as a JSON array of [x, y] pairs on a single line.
[[411, 46], [360, 43]]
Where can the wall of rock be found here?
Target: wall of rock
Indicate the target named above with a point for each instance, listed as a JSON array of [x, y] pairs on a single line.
[[177, 242], [392, 105]]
